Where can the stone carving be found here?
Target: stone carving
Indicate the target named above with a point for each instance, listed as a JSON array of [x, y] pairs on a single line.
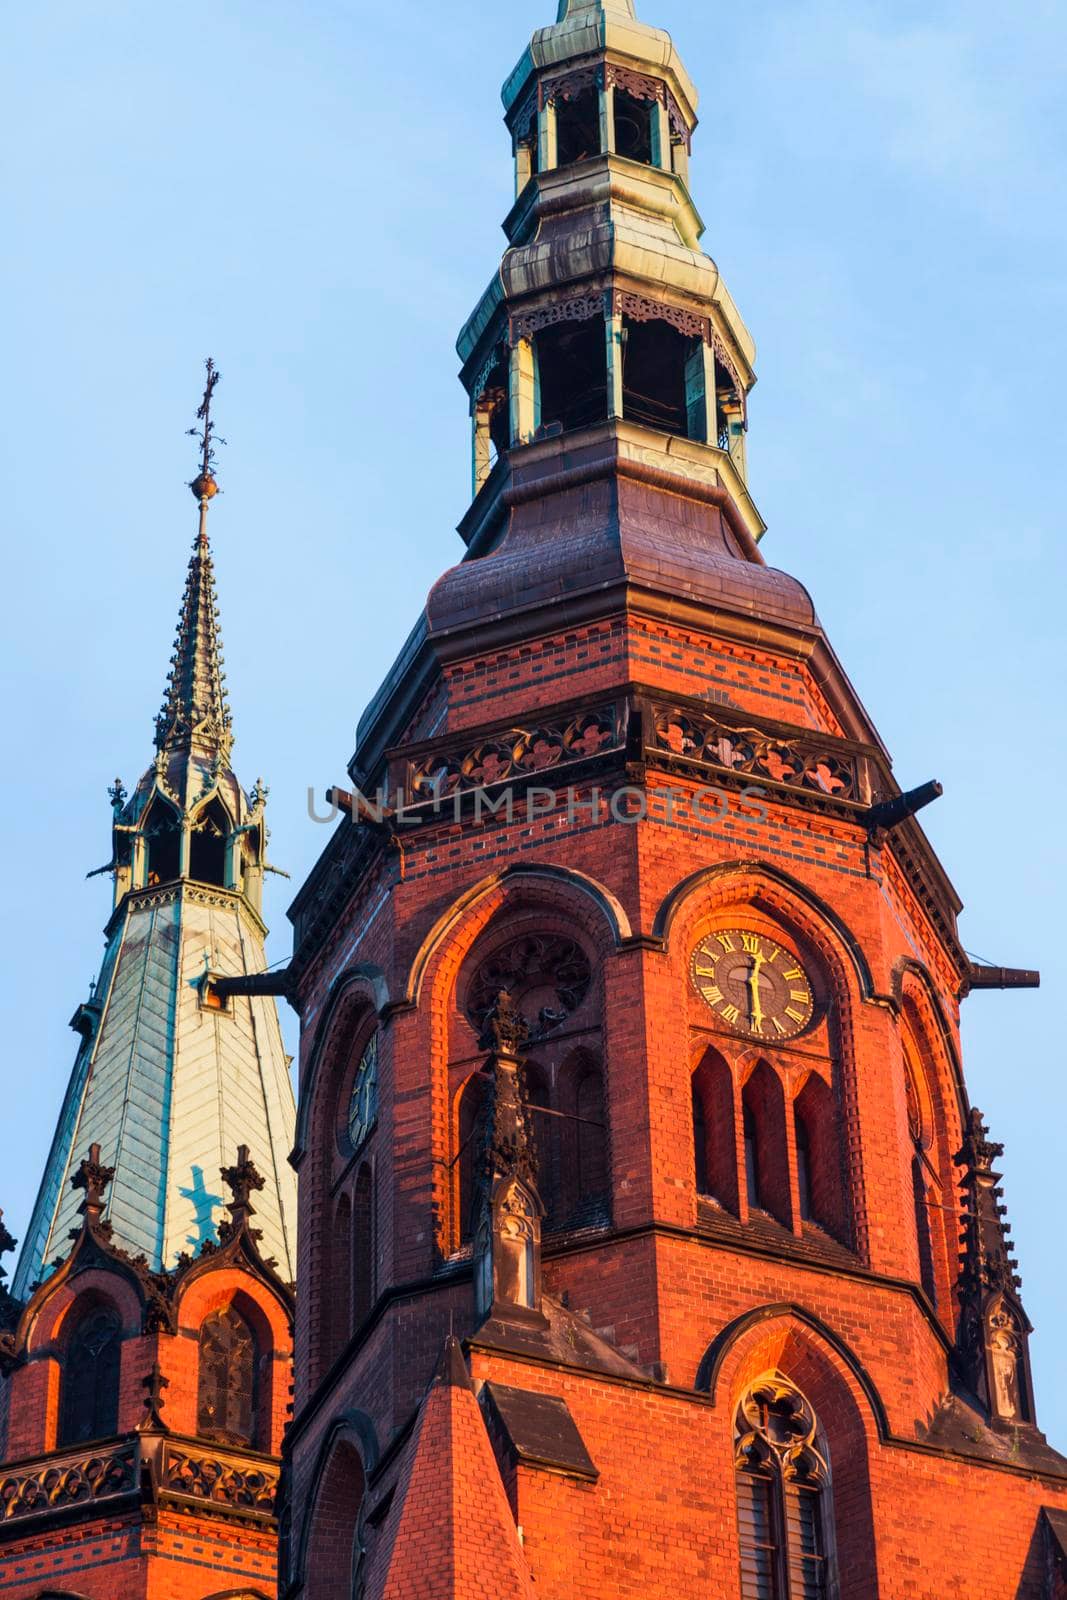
[[993, 1330], [545, 976], [776, 1425], [241, 1485], [798, 762], [514, 752], [69, 1481]]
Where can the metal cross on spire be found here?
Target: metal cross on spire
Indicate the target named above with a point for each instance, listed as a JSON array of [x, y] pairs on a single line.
[[203, 485]]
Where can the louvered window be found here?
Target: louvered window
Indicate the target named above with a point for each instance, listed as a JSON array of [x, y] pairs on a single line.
[[805, 1543], [226, 1390], [760, 1555], [783, 1489], [89, 1400]]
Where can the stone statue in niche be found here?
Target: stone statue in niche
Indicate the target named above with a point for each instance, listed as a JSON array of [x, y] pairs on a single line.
[[515, 1277], [1004, 1359]]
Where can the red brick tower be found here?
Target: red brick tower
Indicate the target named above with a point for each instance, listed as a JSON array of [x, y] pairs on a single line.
[[648, 1244], [145, 1368]]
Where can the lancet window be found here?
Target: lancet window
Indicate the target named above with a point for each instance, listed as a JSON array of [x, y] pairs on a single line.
[[784, 1516], [226, 1383], [89, 1388]]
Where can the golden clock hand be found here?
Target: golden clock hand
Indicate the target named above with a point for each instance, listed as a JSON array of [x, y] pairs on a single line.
[[753, 993]]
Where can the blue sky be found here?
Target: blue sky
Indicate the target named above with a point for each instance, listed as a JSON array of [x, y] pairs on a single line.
[[312, 194]]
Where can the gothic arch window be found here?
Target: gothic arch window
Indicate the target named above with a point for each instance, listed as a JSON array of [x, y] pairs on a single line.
[[89, 1388], [226, 1380], [337, 1289], [931, 1178], [539, 1100], [714, 1134], [333, 1550], [207, 845], [468, 1134], [820, 1173], [162, 834], [784, 1513], [766, 1150], [584, 1180], [363, 1246]]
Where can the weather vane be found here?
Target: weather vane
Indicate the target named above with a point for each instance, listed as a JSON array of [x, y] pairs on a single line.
[[203, 485]]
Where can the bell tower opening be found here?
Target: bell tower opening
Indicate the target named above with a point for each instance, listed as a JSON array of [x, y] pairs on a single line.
[[578, 127], [162, 833], [633, 127], [573, 374], [654, 375], [207, 846]]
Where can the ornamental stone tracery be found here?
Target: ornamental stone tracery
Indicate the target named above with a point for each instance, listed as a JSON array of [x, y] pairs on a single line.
[[547, 976]]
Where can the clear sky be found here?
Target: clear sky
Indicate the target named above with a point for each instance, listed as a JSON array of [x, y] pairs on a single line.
[[312, 194]]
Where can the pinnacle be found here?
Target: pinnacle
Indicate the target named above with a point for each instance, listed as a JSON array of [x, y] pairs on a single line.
[[195, 709]]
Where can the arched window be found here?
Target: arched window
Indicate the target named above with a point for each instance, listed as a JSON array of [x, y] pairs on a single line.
[[714, 1135], [539, 1099], [468, 1133], [162, 835], [784, 1517], [752, 1185], [332, 1557], [338, 1287], [700, 1140], [584, 1186], [207, 845], [921, 1202], [226, 1383], [89, 1391], [766, 1152], [363, 1246], [803, 1145]]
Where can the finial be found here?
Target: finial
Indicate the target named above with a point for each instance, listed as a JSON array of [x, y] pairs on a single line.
[[203, 485], [94, 1178], [241, 1180], [153, 1384], [505, 1030], [118, 796]]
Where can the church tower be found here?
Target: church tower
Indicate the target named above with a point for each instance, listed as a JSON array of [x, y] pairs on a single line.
[[648, 1241], [146, 1340]]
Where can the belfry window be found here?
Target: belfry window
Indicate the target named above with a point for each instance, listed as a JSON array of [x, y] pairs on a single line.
[[783, 1495], [572, 374], [226, 1382], [207, 845], [654, 375], [577, 127], [633, 127], [162, 834], [89, 1391]]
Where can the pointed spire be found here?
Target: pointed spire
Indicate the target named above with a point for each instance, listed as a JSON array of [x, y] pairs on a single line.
[[992, 1342], [195, 716]]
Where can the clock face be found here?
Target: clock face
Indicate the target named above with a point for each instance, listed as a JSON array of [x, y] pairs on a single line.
[[363, 1106], [755, 986]]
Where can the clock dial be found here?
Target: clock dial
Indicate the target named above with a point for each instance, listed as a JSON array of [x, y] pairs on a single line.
[[752, 984], [363, 1106]]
